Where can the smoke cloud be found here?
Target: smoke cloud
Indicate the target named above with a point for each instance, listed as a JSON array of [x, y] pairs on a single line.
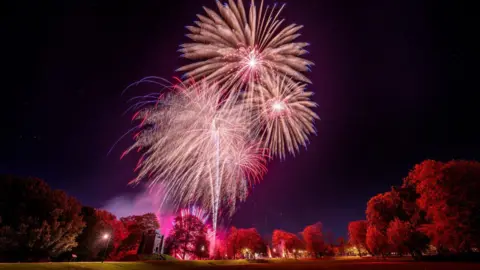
[[147, 201]]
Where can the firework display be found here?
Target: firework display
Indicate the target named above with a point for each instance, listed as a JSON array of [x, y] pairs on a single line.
[[198, 143], [235, 46], [207, 139]]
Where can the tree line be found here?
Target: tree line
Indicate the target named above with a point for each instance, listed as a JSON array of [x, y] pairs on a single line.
[[39, 224], [435, 211]]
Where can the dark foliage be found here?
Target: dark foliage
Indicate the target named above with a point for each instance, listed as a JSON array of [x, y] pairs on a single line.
[[36, 222]]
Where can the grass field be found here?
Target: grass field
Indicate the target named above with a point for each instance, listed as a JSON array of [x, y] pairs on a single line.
[[342, 264]]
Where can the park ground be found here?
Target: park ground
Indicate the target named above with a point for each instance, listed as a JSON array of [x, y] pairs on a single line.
[[330, 264]]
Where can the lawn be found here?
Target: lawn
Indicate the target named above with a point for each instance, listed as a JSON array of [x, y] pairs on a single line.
[[340, 264]]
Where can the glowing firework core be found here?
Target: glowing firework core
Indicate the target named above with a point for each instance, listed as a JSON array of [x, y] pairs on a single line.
[[252, 62], [278, 106]]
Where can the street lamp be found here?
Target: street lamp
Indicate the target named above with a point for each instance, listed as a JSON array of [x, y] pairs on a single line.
[[106, 237]]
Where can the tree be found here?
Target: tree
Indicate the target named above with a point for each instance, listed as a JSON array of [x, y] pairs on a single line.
[[341, 246], [136, 227], [448, 193], [313, 237], [286, 242], [377, 242], [403, 238], [87, 248], [399, 234], [188, 238], [357, 233], [232, 243], [246, 241], [381, 209], [91, 242], [36, 221]]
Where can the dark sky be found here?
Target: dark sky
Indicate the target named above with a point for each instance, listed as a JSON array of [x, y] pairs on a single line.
[[391, 80]]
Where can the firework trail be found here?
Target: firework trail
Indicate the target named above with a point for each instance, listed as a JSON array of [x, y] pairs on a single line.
[[236, 47], [197, 142]]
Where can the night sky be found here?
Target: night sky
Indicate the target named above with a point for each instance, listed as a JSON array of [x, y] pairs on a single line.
[[391, 80]]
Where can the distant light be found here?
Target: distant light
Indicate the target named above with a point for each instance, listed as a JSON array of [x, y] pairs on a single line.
[[106, 236], [202, 248]]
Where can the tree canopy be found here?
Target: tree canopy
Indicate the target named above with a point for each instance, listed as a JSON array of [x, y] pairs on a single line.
[[188, 238], [36, 222], [313, 237]]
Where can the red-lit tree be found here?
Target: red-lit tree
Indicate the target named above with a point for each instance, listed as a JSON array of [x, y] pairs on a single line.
[[188, 239], [91, 243], [244, 241], [136, 227], [399, 234], [340, 247], [381, 209], [404, 237], [357, 233], [114, 228], [449, 196], [232, 243], [377, 241], [286, 242], [313, 237]]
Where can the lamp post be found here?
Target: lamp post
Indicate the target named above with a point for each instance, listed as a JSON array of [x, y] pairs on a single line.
[[105, 237]]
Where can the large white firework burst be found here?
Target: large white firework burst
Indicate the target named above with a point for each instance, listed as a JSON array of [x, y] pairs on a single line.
[[235, 48], [283, 114], [197, 142]]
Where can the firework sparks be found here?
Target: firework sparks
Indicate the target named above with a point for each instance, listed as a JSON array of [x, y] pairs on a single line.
[[235, 47], [198, 143], [196, 212], [284, 114]]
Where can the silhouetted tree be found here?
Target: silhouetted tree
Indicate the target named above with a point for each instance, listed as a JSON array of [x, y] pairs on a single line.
[[87, 248], [36, 222]]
